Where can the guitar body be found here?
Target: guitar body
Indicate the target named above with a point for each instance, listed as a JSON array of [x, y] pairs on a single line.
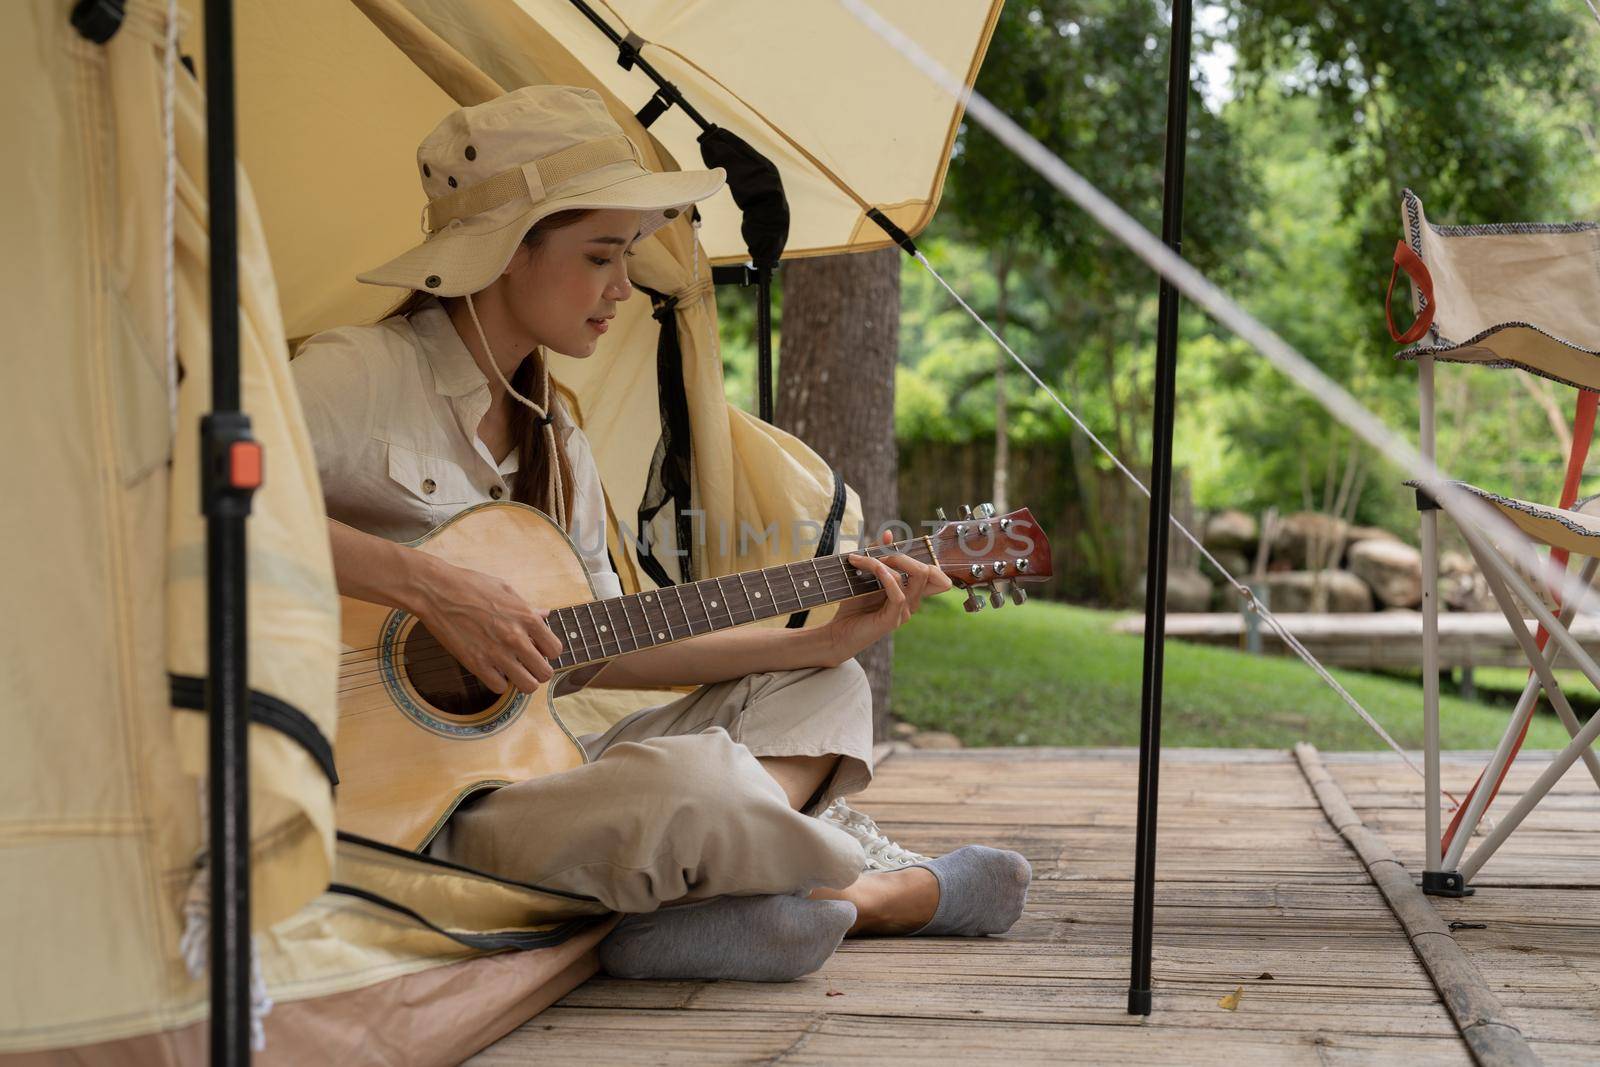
[[417, 734]]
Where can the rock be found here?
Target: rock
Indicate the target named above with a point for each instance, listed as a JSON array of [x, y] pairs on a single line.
[[1461, 587], [1230, 529], [1187, 590], [1237, 563], [902, 731], [1392, 568], [1294, 535], [935, 739], [1357, 534], [1291, 591]]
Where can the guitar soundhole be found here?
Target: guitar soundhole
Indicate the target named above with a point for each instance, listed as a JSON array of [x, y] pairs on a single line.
[[440, 679]]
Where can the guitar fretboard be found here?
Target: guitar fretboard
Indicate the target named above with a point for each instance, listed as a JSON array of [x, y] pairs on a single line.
[[602, 629]]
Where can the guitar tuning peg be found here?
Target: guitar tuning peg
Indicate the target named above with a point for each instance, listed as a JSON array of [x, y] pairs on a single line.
[[1018, 594], [973, 603], [965, 511], [997, 599], [938, 513], [985, 511]]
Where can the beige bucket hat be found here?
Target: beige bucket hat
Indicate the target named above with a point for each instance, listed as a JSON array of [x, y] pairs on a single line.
[[493, 170]]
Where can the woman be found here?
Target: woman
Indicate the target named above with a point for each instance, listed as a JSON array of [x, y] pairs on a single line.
[[535, 202]]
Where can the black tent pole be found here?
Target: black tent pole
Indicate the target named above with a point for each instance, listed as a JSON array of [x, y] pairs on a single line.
[[229, 471], [764, 343], [1155, 593]]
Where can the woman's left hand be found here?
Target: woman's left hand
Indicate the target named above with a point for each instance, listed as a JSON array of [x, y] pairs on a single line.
[[864, 619]]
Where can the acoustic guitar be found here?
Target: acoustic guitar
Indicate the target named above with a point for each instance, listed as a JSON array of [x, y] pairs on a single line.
[[418, 733]]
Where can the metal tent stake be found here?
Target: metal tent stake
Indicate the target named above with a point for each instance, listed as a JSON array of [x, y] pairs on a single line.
[[1155, 593], [230, 468]]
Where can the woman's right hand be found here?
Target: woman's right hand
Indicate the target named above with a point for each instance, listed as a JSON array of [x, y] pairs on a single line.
[[483, 623]]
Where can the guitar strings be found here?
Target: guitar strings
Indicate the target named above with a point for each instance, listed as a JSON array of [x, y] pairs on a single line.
[[444, 660], [694, 617], [905, 548], [856, 584]]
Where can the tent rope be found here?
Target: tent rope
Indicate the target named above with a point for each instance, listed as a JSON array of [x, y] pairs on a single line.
[[1464, 507], [1252, 603], [169, 200]]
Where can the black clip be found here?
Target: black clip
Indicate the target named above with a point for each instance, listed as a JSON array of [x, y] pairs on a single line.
[[628, 51], [653, 109], [98, 20]]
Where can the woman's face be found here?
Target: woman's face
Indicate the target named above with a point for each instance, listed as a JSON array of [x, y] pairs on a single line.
[[565, 290]]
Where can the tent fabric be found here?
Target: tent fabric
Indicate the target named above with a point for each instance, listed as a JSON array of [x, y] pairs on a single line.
[[1522, 295], [738, 66], [747, 478], [102, 772], [321, 76], [103, 750]]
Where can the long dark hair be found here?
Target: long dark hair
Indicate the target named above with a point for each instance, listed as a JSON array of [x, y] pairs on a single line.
[[533, 459]]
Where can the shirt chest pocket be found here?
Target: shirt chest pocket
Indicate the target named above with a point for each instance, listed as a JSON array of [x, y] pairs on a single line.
[[429, 479]]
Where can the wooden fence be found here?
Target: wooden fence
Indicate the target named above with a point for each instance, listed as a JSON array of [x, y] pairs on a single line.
[[1095, 519]]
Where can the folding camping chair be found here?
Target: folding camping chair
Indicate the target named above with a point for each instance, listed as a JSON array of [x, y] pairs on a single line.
[[1526, 298]]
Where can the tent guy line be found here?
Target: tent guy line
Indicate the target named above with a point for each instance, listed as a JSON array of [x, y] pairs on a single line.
[[1245, 592], [1192, 283]]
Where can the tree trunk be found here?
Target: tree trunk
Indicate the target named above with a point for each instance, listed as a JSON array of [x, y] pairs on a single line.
[[841, 337]]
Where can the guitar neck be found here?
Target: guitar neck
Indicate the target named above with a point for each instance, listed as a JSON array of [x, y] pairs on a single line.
[[601, 629]]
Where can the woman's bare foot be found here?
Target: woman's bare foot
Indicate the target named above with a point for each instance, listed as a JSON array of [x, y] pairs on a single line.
[[889, 902]]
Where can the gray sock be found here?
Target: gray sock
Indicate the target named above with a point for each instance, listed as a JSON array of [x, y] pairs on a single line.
[[981, 891], [748, 939]]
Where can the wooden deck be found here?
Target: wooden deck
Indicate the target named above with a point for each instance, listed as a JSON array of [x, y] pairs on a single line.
[[1257, 896]]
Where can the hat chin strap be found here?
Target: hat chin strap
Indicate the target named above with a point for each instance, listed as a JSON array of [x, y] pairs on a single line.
[[553, 478]]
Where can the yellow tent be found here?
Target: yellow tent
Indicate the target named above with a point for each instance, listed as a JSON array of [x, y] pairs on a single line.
[[104, 748]]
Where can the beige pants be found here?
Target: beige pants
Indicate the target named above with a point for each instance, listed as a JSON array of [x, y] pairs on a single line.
[[674, 804]]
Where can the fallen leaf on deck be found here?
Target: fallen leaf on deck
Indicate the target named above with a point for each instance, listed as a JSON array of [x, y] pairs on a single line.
[[1265, 976], [832, 992], [1231, 1001]]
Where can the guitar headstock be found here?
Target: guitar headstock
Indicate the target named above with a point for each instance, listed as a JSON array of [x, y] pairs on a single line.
[[980, 548]]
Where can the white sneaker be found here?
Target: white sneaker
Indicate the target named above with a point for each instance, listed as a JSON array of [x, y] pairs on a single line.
[[882, 853]]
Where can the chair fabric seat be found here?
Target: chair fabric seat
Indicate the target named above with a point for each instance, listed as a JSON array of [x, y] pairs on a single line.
[[1577, 531], [1522, 295]]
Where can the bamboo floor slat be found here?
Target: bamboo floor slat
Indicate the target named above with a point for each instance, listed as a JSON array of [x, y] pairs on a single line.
[[1538, 897], [1256, 893]]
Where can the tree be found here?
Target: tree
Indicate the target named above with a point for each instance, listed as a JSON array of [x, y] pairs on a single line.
[[1088, 79], [841, 339], [1466, 103]]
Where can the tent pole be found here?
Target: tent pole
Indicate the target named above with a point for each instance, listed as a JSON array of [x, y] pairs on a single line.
[[1155, 593], [230, 470], [764, 343]]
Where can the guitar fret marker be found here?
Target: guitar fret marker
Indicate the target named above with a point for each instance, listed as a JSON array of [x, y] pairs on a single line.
[[660, 636]]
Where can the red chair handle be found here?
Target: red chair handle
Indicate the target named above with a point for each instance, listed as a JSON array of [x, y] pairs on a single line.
[[1407, 260]]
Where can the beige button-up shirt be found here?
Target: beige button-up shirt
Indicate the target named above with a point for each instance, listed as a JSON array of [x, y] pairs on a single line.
[[393, 411]]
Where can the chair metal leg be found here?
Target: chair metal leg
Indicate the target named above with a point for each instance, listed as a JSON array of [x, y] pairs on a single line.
[[1500, 576], [1432, 794], [1541, 662]]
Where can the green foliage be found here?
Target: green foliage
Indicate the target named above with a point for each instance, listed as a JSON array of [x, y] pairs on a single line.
[[1487, 110], [1466, 103], [1067, 680]]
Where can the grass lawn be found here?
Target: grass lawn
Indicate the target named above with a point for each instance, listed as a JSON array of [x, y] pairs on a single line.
[[1053, 674]]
